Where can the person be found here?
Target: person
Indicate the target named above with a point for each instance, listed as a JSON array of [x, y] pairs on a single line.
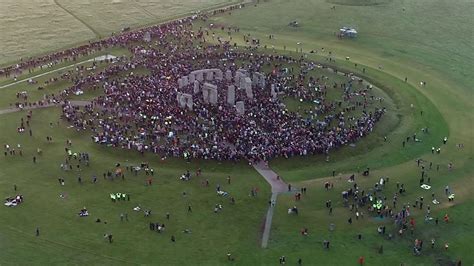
[[304, 231], [361, 260], [37, 231], [446, 218], [282, 260], [109, 236], [173, 239], [326, 244]]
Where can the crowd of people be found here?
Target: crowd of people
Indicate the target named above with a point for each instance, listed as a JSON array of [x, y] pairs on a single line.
[[140, 111]]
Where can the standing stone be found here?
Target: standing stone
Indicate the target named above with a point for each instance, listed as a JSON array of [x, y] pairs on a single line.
[[240, 107], [255, 79], [228, 75], [231, 94], [209, 93], [185, 81], [218, 74], [258, 79], [247, 85], [238, 79], [196, 86], [205, 94], [243, 72], [189, 101], [262, 82], [273, 92], [213, 95], [190, 104], [199, 75], [192, 78], [147, 37], [182, 100], [210, 75], [248, 82]]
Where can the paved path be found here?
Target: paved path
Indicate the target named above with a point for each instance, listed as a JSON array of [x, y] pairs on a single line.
[[99, 58], [278, 186], [13, 110]]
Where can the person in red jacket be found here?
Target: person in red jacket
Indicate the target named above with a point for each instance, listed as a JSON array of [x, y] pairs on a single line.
[[412, 223], [446, 218]]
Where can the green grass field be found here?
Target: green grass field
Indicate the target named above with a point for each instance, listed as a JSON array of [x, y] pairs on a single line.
[[425, 40]]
